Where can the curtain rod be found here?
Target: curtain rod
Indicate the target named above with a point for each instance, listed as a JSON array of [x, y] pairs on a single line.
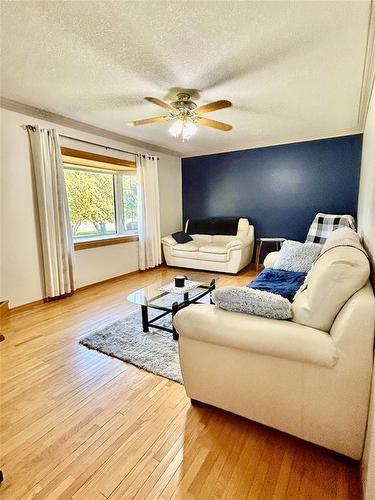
[[93, 143], [101, 145]]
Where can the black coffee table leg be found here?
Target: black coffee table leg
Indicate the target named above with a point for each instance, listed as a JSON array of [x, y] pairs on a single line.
[[174, 311], [144, 318], [212, 286]]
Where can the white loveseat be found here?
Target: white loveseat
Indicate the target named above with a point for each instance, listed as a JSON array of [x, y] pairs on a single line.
[[217, 252], [309, 377]]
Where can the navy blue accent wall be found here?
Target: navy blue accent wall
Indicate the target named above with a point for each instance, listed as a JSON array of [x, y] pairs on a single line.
[[279, 188]]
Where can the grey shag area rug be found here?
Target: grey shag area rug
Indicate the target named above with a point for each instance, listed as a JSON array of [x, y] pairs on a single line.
[[155, 351]]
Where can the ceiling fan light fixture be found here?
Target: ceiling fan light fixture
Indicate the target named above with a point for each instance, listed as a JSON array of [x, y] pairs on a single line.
[[188, 131], [183, 130], [185, 115], [176, 129]]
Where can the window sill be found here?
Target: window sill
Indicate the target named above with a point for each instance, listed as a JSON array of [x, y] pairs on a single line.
[[102, 242]]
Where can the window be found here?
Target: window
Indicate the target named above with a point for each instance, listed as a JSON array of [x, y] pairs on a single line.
[[102, 198], [129, 196]]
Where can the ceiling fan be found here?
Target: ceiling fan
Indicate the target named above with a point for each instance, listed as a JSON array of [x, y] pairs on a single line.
[[186, 115]]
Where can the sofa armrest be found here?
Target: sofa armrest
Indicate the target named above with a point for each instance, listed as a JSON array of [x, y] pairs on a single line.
[[279, 338], [169, 241], [235, 244], [270, 259], [246, 234]]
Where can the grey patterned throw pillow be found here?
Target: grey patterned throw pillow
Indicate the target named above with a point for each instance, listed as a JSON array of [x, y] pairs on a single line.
[[297, 257], [250, 301]]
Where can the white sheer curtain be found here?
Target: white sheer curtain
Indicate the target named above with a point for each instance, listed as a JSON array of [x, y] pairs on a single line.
[[55, 229], [148, 212]]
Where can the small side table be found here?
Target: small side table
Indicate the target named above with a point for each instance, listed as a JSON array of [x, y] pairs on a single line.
[[260, 241]]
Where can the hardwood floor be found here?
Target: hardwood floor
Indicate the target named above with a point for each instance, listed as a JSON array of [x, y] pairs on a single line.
[[78, 424]]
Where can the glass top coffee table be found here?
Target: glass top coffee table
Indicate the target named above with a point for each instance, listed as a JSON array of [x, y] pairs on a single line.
[[169, 303]]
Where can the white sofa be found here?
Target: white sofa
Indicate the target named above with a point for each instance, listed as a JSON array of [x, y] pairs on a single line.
[[222, 253], [309, 377]]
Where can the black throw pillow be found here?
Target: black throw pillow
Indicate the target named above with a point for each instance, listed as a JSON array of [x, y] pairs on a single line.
[[182, 237]]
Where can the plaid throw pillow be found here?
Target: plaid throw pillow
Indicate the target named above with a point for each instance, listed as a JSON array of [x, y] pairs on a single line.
[[324, 224]]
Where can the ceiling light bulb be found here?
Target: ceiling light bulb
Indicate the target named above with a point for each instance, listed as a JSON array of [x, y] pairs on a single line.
[[183, 130], [188, 131], [176, 129]]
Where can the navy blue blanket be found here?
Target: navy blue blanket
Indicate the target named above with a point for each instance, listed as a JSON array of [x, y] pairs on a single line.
[[284, 283]]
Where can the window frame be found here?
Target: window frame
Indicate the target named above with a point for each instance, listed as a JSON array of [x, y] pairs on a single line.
[[85, 242]]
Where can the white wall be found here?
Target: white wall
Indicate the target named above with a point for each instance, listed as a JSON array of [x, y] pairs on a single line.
[[20, 274], [366, 228], [366, 202]]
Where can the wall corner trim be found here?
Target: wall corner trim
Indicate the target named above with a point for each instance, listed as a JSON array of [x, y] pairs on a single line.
[[368, 76], [28, 110]]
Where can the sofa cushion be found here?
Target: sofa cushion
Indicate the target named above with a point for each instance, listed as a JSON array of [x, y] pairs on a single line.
[[182, 237], [213, 257], [202, 238], [190, 246], [213, 248], [221, 239], [272, 337], [284, 283], [341, 270]]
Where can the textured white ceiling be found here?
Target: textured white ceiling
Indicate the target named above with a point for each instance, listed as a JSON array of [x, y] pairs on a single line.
[[292, 69]]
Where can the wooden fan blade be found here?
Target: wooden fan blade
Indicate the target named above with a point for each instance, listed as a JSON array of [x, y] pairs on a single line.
[[160, 103], [213, 106], [214, 124], [146, 121]]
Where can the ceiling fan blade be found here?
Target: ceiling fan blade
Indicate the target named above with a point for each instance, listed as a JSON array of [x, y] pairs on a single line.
[[146, 121], [214, 124], [160, 103], [213, 106]]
